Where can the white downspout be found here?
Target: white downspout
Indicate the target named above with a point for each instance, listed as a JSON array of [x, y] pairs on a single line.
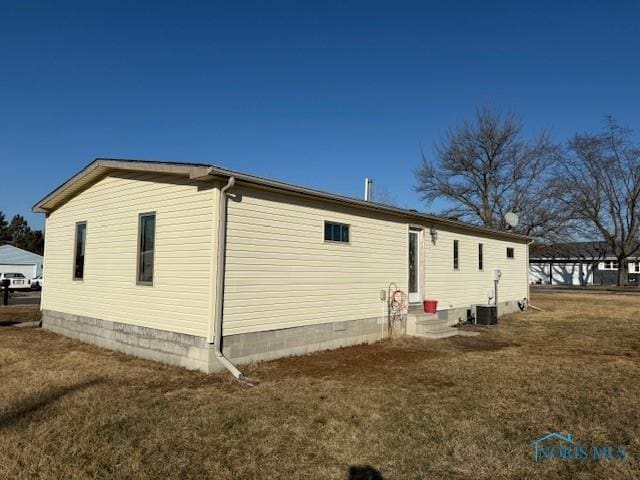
[[44, 257], [528, 270], [222, 248]]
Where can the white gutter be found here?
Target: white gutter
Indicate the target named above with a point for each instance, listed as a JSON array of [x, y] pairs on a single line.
[[222, 248]]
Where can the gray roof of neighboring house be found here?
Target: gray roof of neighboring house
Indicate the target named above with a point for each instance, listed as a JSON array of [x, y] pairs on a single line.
[[569, 250], [17, 256], [103, 166]]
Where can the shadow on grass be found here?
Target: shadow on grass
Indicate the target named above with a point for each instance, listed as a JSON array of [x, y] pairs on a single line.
[[364, 472], [39, 401], [9, 323]]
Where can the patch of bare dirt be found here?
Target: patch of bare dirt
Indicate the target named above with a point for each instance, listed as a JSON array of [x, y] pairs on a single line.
[[482, 343], [360, 360], [12, 314]]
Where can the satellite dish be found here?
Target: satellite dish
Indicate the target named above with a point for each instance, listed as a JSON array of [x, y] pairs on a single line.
[[511, 218]]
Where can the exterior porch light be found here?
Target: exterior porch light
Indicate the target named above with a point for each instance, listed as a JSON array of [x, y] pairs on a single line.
[[434, 234]]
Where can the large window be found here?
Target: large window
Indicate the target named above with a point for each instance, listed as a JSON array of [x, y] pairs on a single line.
[[80, 246], [146, 247], [480, 258], [456, 263], [510, 252], [336, 232], [610, 265]]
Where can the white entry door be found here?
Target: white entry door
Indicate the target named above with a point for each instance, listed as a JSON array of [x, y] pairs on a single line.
[[415, 271]]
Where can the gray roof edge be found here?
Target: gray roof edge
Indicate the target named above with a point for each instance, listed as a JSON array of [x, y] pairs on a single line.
[[199, 171], [252, 179], [176, 168], [21, 250]]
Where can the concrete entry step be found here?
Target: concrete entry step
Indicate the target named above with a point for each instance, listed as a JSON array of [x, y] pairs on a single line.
[[467, 333], [423, 316], [451, 332], [431, 321], [438, 333], [428, 325]]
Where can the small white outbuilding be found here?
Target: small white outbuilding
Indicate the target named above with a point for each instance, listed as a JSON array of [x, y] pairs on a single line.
[[17, 260]]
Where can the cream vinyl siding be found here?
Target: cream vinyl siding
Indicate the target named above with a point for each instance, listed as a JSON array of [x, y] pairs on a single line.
[[468, 285], [281, 273], [179, 299]]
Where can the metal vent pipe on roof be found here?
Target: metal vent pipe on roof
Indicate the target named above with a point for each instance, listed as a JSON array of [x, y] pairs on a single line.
[[368, 189]]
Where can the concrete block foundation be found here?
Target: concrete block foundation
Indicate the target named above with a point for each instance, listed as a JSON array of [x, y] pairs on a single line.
[[196, 353], [173, 348]]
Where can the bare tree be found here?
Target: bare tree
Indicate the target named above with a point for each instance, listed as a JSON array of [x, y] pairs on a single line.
[[381, 194], [485, 168], [599, 185]]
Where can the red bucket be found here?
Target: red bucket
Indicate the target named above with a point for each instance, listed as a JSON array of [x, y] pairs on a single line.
[[430, 306]]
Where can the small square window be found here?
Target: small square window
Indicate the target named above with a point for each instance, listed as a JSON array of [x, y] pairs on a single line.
[[336, 232], [510, 252]]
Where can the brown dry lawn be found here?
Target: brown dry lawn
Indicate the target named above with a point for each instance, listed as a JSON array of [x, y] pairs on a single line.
[[458, 408]]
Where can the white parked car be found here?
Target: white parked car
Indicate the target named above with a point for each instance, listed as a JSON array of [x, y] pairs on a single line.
[[17, 281], [37, 283]]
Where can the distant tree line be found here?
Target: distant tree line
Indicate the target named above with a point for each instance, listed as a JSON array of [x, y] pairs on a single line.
[[587, 188], [18, 233]]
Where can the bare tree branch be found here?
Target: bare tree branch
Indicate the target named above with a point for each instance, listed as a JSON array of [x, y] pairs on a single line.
[[599, 185], [485, 168]]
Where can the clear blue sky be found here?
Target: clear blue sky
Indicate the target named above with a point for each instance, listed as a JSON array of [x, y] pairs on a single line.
[[321, 95]]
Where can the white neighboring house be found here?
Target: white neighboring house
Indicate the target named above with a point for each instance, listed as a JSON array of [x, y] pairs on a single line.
[[565, 273], [17, 260], [577, 263]]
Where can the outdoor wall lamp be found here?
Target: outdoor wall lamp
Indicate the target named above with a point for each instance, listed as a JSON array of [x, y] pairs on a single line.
[[434, 234]]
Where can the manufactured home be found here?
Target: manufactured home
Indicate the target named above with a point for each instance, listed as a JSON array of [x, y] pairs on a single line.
[[205, 267]]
